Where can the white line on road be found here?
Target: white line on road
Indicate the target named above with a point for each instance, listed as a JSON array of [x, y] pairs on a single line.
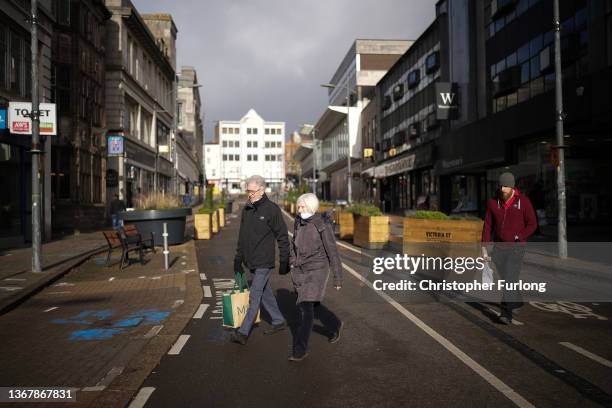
[[207, 291], [10, 288], [177, 303], [183, 263], [111, 279], [15, 279], [188, 270], [178, 346], [444, 342], [50, 309], [141, 398], [153, 332], [203, 276], [201, 310], [587, 354], [59, 293]]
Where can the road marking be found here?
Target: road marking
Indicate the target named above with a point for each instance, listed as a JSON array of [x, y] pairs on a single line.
[[496, 313], [111, 279], [153, 332], [64, 284], [188, 270], [444, 342], [201, 310], [156, 277], [177, 303], [108, 378], [203, 276], [141, 398], [50, 309], [207, 291], [10, 288], [141, 277], [59, 293], [15, 279], [183, 263], [587, 354], [178, 346]]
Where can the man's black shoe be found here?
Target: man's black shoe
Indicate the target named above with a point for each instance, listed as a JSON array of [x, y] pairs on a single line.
[[336, 336], [505, 320], [297, 357], [276, 328], [237, 337]]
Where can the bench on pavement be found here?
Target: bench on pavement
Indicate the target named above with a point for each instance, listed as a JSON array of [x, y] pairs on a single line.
[[128, 239]]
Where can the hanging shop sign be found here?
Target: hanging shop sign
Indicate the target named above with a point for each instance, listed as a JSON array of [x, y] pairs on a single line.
[[115, 146], [20, 122], [447, 100]]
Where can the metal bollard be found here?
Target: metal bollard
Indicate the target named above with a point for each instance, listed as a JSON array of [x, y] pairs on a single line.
[[166, 252]]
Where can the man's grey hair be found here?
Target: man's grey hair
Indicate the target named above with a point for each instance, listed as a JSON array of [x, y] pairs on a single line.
[[258, 180]]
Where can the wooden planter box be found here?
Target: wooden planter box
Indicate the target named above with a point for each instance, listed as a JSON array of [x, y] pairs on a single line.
[[215, 221], [292, 208], [221, 217], [442, 238], [203, 226], [371, 232], [323, 208], [347, 224]]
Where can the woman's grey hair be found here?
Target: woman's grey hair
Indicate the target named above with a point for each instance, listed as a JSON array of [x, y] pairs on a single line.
[[258, 180], [310, 201]]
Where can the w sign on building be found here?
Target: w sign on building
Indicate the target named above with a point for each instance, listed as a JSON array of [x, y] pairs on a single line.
[[447, 100]]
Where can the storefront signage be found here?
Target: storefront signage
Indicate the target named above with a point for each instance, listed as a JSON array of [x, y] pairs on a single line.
[[398, 166], [20, 122], [115, 146], [447, 100], [112, 178], [2, 118]]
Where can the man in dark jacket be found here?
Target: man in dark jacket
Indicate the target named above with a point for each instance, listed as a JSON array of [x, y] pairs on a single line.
[[116, 206], [261, 224], [509, 221]]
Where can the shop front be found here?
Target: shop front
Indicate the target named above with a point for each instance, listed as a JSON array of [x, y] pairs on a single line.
[[408, 182]]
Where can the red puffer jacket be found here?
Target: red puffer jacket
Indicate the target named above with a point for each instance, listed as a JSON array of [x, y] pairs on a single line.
[[509, 221]]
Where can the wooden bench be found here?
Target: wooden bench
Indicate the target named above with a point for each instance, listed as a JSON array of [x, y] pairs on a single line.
[[129, 240]]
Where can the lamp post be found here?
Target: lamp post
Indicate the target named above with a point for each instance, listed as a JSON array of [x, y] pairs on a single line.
[[348, 136], [314, 160], [561, 227]]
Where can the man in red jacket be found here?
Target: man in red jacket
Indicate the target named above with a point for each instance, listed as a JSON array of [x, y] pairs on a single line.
[[509, 221]]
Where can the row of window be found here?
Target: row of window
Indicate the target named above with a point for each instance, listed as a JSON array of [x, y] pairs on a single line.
[[498, 23], [15, 61], [253, 144], [250, 131], [253, 157]]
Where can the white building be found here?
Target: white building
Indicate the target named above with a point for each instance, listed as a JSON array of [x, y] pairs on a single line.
[[212, 163], [250, 146]]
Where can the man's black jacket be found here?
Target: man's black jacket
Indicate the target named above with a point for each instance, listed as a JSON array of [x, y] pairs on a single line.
[[261, 224]]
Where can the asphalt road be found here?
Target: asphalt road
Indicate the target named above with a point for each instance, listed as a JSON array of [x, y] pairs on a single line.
[[396, 350]]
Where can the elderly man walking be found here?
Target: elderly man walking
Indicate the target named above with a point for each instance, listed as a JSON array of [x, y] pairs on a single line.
[[261, 224]]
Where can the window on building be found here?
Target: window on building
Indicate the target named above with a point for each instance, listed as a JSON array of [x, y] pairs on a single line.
[[609, 37], [254, 131], [267, 131], [225, 157], [255, 157], [231, 143], [249, 131], [179, 108], [237, 143], [248, 144], [15, 63], [237, 157], [225, 143], [3, 59], [255, 143], [279, 158]]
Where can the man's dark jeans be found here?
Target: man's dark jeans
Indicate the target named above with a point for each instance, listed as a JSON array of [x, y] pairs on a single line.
[[508, 259], [310, 310]]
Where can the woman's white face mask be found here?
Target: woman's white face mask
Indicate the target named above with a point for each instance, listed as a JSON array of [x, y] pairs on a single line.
[[305, 215]]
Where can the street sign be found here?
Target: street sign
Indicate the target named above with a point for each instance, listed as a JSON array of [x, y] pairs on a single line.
[[115, 146], [2, 118], [20, 122]]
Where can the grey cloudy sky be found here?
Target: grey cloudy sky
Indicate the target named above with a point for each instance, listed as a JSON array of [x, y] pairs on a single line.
[[271, 55]]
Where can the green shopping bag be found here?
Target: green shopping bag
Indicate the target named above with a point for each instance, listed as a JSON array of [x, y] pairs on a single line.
[[236, 303]]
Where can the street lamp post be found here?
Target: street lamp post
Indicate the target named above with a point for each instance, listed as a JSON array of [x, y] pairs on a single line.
[[36, 152], [562, 233], [314, 160], [348, 136]]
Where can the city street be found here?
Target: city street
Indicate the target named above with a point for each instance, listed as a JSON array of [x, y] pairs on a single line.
[[421, 352]]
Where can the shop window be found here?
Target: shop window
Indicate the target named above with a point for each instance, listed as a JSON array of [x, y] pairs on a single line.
[[464, 195], [398, 92], [413, 79], [432, 63]]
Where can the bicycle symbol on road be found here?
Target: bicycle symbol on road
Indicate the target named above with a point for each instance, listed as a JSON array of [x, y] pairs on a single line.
[[576, 310]]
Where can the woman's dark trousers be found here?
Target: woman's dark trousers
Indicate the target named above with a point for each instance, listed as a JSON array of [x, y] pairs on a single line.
[[309, 311]]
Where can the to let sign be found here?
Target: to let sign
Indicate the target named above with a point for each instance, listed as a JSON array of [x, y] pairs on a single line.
[[115, 145], [20, 122]]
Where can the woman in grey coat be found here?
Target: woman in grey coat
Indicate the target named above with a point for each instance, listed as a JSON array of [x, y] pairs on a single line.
[[313, 254]]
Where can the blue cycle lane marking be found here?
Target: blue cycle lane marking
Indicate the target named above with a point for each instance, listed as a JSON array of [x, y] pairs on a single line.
[[118, 325]]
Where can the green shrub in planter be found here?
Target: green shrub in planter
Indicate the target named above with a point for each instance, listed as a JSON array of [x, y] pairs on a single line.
[[430, 215], [365, 210]]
